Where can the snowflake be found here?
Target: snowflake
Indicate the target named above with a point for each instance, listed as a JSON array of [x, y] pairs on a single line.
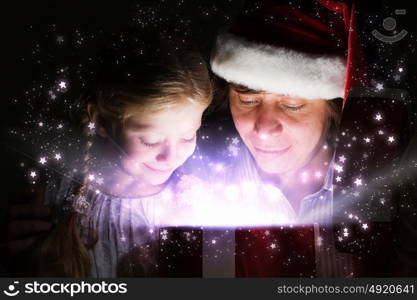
[[164, 234], [342, 158], [233, 150], [338, 168], [235, 140], [91, 125], [63, 85], [379, 86]]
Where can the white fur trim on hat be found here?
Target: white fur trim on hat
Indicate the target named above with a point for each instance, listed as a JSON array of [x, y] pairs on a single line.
[[278, 70]]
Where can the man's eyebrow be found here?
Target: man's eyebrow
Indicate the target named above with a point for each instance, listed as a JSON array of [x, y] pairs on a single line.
[[243, 89]]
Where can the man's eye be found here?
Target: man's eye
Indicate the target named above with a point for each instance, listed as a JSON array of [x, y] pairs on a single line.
[[248, 100], [293, 108]]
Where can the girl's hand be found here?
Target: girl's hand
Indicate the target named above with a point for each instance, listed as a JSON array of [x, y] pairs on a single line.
[[27, 220]]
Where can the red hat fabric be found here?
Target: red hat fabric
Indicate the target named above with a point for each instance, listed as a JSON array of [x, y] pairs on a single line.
[[296, 48]]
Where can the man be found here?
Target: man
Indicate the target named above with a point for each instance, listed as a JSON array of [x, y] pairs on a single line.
[[286, 70]]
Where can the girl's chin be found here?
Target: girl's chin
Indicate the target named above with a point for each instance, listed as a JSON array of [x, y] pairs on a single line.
[[157, 179]]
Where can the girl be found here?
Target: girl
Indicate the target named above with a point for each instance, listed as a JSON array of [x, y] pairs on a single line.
[[142, 114]]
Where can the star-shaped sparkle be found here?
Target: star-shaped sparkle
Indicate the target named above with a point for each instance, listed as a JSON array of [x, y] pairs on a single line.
[[358, 182], [378, 117], [91, 125], [338, 168], [58, 156], [63, 85], [42, 160], [391, 139], [342, 158]]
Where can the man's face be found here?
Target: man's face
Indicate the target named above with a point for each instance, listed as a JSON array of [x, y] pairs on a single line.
[[282, 132]]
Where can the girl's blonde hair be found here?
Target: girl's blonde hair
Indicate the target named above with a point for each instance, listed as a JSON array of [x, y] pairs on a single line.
[[135, 72]]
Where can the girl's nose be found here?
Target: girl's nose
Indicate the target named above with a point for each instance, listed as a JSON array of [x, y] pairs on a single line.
[[166, 154]]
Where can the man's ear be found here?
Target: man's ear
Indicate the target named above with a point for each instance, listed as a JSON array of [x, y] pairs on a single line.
[[95, 117]]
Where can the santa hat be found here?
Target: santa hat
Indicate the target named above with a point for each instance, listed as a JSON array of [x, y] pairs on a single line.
[[285, 47]]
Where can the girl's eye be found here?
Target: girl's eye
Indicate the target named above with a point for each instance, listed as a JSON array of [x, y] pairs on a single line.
[[190, 140], [293, 108], [150, 145]]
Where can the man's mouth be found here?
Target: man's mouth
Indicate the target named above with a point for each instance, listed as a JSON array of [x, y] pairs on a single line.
[[271, 151]]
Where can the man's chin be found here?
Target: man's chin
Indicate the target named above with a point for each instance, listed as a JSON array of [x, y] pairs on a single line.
[[273, 168]]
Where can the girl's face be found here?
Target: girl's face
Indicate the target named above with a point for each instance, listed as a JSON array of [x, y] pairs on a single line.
[[157, 143], [281, 132]]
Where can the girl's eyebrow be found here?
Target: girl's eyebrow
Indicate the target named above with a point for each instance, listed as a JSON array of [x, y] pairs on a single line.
[[140, 126], [137, 126]]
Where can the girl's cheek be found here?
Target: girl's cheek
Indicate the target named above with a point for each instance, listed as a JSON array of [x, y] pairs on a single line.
[[187, 150]]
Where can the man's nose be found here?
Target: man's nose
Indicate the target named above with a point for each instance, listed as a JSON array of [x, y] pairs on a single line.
[[268, 121]]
